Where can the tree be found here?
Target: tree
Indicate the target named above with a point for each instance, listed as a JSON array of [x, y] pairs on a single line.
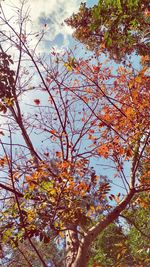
[[115, 27], [80, 114], [138, 235], [124, 244], [111, 248], [24, 255]]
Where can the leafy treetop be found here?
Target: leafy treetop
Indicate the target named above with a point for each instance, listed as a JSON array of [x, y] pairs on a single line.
[[115, 26]]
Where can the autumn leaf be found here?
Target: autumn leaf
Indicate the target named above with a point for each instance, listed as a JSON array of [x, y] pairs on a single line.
[[53, 131], [3, 108], [61, 234], [130, 112], [3, 161], [91, 131], [9, 101], [37, 101], [58, 154], [65, 164], [68, 67], [103, 151]]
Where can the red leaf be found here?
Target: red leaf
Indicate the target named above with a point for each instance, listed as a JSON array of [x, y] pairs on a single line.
[[37, 101]]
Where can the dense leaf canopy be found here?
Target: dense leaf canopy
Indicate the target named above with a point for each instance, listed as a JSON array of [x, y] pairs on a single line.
[[116, 27]]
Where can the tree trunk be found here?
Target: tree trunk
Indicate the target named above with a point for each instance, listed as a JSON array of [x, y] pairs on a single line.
[[72, 245], [82, 256], [78, 256]]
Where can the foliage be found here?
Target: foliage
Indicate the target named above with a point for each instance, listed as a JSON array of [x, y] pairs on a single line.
[[7, 81], [138, 235], [81, 115], [115, 27], [110, 248], [124, 244]]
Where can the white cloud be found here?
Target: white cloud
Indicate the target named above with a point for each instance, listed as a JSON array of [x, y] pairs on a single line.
[[53, 11]]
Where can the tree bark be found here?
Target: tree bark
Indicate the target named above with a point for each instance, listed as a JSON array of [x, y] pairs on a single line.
[[72, 245], [82, 258]]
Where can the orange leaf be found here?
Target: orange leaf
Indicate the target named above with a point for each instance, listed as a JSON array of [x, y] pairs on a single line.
[[52, 131], [65, 164], [103, 151], [58, 154]]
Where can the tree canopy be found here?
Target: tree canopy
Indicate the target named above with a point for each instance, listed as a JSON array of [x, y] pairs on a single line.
[[124, 244], [115, 27]]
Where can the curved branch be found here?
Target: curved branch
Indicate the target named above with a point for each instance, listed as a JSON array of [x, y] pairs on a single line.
[[134, 224], [90, 236]]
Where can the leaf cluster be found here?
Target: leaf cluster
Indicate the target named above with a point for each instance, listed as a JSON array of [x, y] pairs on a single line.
[[115, 27]]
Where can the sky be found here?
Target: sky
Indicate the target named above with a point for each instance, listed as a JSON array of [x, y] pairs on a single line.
[[51, 13]]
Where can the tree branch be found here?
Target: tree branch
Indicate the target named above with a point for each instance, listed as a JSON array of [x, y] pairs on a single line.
[[90, 236], [133, 223]]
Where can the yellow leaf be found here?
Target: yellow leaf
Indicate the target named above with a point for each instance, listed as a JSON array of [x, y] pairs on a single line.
[[52, 191], [9, 101], [61, 234], [31, 185], [68, 67], [118, 256], [138, 79], [30, 215], [92, 208], [129, 112], [89, 213], [131, 83], [99, 207]]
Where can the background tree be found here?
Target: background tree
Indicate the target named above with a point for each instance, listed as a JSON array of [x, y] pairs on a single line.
[[110, 248], [24, 255], [117, 28], [126, 243]]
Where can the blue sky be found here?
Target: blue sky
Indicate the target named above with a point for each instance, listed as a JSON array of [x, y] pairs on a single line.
[[60, 39], [58, 35]]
